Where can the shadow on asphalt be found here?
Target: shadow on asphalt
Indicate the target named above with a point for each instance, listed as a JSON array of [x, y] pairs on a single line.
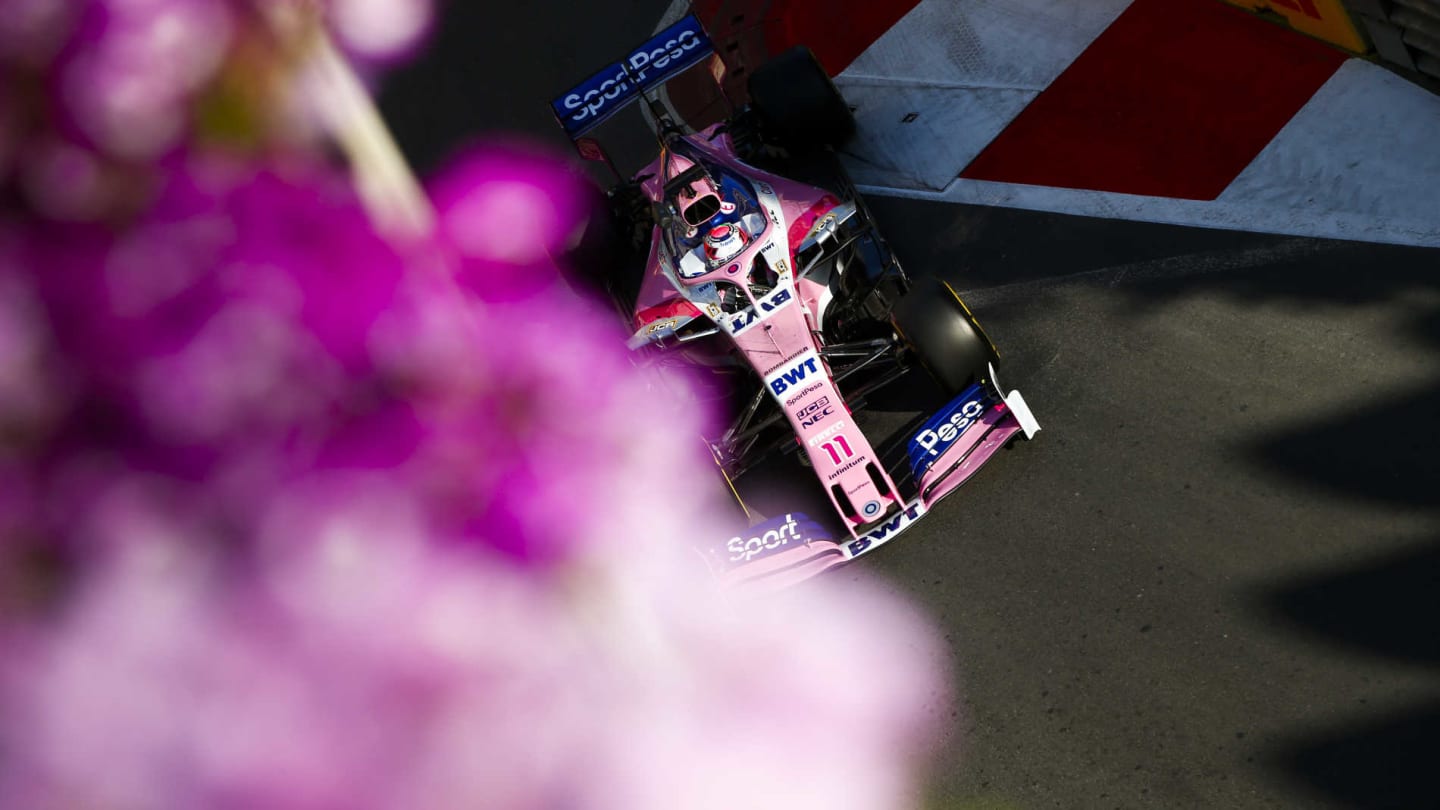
[[1385, 451], [1389, 608], [1377, 762]]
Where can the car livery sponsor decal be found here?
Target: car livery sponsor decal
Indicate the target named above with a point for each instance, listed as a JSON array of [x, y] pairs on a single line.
[[774, 253], [795, 374], [811, 414], [615, 85], [658, 330], [743, 320], [947, 425], [773, 536], [803, 392], [843, 468], [826, 433], [886, 531], [703, 293], [778, 249]]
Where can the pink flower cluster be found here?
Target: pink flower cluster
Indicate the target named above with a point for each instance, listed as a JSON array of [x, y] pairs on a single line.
[[366, 669], [93, 92], [252, 330], [293, 516]]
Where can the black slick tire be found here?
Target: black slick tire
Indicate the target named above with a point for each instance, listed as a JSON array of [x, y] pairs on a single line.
[[798, 104], [943, 334]]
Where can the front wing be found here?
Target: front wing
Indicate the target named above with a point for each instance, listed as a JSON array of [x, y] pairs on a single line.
[[944, 453]]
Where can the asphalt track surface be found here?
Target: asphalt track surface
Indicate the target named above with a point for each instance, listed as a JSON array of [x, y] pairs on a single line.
[[1213, 580]]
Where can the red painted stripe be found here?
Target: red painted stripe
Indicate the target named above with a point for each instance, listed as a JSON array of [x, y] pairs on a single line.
[[1174, 99], [748, 32], [837, 31]]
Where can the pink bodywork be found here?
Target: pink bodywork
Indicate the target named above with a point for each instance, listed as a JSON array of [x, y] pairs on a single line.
[[954, 467], [779, 334]]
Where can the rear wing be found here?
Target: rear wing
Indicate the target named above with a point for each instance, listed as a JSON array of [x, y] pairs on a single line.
[[614, 86]]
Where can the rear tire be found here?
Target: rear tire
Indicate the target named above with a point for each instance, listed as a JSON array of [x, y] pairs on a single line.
[[943, 334], [798, 104]]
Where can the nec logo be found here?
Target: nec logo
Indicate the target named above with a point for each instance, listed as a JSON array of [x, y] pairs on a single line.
[[793, 375], [767, 305], [811, 414]]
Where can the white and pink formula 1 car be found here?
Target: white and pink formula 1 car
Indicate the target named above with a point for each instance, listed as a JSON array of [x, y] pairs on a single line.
[[785, 291]]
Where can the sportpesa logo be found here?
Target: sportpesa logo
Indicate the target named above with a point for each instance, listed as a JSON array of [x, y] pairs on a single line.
[[669, 52], [769, 538], [809, 389], [936, 441], [945, 428]]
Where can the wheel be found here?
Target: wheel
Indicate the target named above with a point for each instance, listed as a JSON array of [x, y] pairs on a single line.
[[944, 335], [798, 104]]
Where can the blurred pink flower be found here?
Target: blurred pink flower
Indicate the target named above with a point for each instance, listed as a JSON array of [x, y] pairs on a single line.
[[127, 78], [33, 384], [508, 213], [95, 93], [381, 31], [345, 524], [373, 33], [33, 31], [67, 182], [204, 317], [369, 669]]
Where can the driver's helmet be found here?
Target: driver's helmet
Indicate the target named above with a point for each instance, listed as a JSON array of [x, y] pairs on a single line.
[[725, 241]]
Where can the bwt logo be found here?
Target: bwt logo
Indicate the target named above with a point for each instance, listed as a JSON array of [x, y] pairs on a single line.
[[767, 305], [745, 549], [814, 412], [597, 98], [935, 441], [793, 375], [884, 531]]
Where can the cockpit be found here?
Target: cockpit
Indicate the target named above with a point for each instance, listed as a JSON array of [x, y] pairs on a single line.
[[718, 216]]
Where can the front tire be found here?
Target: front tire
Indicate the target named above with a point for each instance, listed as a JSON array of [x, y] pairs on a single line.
[[944, 335]]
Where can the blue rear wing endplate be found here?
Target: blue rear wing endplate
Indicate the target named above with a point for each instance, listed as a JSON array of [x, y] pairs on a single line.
[[614, 86]]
